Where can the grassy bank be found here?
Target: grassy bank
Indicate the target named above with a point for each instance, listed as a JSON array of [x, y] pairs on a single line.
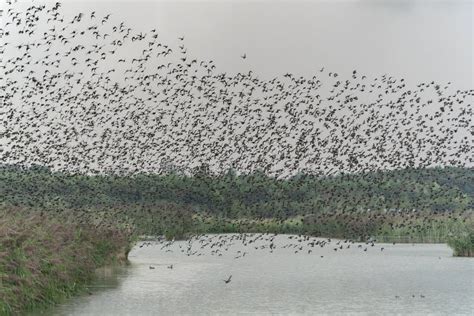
[[463, 244], [46, 257], [174, 221], [44, 260], [384, 227]]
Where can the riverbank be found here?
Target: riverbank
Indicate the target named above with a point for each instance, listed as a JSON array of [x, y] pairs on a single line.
[[405, 227], [292, 277], [463, 245], [46, 257], [44, 260]]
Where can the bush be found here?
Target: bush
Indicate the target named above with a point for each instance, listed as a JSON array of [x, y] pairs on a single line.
[[44, 260], [463, 245]]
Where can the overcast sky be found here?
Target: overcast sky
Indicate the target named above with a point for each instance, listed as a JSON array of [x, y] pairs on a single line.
[[418, 40]]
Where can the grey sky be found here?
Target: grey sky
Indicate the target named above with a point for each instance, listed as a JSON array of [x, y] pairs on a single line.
[[419, 40]]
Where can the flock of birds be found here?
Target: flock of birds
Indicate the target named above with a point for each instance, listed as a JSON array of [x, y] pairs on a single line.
[[84, 93], [88, 94], [217, 245], [235, 244]]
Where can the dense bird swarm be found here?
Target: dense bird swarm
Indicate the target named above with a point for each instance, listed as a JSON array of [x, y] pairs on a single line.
[[105, 125], [87, 93], [124, 121]]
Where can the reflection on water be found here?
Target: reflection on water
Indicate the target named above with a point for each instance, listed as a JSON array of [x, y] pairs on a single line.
[[401, 279]]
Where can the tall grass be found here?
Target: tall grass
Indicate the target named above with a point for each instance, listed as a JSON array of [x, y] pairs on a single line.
[[463, 244], [396, 227], [44, 260]]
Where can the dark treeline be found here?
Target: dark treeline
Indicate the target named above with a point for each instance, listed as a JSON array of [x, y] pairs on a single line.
[[409, 205], [244, 195]]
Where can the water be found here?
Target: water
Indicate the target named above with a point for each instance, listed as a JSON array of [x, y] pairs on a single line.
[[282, 282]]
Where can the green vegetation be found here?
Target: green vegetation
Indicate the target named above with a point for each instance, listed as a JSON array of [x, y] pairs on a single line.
[[463, 243], [245, 195], [409, 205], [57, 228], [43, 260], [383, 227]]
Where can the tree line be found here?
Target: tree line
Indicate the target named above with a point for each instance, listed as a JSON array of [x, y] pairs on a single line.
[[233, 195]]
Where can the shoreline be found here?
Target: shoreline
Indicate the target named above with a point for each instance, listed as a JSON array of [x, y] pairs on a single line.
[[44, 260]]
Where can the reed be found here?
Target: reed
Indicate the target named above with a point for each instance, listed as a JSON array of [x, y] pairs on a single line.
[[44, 260], [463, 244], [399, 228]]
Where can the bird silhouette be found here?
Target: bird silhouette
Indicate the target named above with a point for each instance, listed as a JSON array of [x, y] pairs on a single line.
[[228, 279]]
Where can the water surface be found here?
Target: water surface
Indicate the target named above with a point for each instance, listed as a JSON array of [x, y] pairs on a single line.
[[400, 279]]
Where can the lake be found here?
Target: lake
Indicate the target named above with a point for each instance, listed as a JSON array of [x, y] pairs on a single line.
[[293, 276]]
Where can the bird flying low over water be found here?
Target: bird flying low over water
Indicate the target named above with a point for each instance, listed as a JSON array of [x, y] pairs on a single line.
[[228, 279]]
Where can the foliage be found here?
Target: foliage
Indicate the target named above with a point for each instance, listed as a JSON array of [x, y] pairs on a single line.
[[245, 195], [463, 243], [43, 260]]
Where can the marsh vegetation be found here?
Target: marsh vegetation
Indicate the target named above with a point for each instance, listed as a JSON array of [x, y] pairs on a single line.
[[57, 228]]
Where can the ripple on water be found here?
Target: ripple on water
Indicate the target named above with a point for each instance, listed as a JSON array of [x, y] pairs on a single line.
[[348, 281]]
